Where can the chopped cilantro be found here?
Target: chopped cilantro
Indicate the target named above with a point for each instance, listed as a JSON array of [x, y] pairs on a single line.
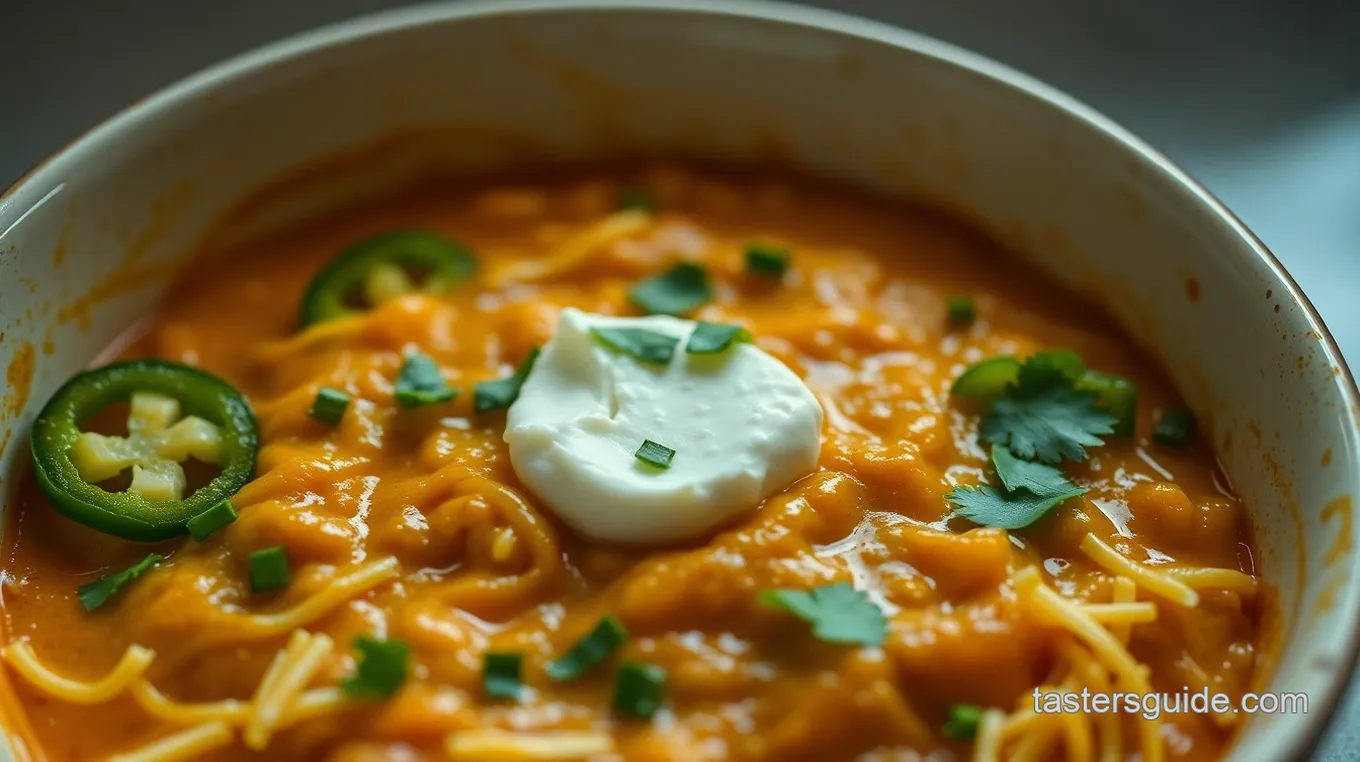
[[712, 338], [963, 722], [421, 383], [594, 647], [642, 344], [1029, 490], [381, 668], [678, 291], [502, 393], [97, 593], [634, 199], [838, 613], [655, 454], [502, 675], [1117, 395], [1043, 415], [1176, 426], [960, 311], [766, 261]]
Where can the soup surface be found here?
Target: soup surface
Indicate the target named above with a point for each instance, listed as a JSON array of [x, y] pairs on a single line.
[[408, 524]]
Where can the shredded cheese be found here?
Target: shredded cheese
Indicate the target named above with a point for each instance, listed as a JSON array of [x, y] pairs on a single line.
[[577, 250], [1121, 613], [1154, 581], [130, 667], [335, 593], [1104, 647], [312, 704], [503, 746], [1232, 580], [1125, 591], [1077, 735], [1034, 745], [282, 684], [156, 704], [184, 745], [1019, 722], [987, 742]]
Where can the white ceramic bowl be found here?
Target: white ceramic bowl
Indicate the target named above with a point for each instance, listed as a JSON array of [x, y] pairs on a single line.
[[87, 241]]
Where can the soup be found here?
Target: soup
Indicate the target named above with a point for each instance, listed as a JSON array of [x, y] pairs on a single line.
[[651, 463]]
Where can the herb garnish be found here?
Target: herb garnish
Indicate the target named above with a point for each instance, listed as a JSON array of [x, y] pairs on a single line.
[[1028, 491], [838, 612], [678, 291]]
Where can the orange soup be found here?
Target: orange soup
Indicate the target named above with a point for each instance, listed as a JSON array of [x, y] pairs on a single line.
[[883, 492]]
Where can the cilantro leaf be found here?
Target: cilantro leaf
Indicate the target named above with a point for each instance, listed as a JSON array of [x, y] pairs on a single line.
[[421, 383], [1004, 510], [1015, 474], [381, 668], [712, 338], [1042, 413], [97, 593], [1050, 425], [678, 291], [502, 393], [963, 722], [1029, 490], [838, 613], [640, 343], [1175, 427]]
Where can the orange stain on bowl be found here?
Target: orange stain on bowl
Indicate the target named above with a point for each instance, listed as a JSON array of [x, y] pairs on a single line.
[[1192, 289], [135, 271], [1340, 508], [59, 251], [18, 379], [1326, 598], [1327, 457]]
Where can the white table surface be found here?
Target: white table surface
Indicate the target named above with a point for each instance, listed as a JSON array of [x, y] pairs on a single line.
[[1260, 99]]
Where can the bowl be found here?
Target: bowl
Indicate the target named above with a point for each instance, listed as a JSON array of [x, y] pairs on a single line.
[[91, 239]]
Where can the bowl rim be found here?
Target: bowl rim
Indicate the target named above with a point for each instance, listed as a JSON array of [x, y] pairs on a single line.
[[45, 180]]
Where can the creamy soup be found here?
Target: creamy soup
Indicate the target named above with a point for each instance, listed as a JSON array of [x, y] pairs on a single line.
[[651, 463]]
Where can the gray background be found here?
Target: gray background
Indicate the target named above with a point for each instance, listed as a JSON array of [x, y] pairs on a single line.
[[1259, 99]]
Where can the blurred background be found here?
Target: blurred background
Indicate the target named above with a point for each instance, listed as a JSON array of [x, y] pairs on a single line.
[[1259, 99]]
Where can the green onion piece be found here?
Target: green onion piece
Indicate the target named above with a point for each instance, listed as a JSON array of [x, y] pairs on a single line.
[[502, 393], [211, 520], [381, 670], [638, 689], [501, 675], [268, 569], [640, 343], [97, 593], [590, 650], [329, 405], [963, 722], [766, 261], [421, 383], [987, 378], [961, 311], [712, 338], [678, 291], [634, 199], [1176, 426], [1118, 395], [654, 454]]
